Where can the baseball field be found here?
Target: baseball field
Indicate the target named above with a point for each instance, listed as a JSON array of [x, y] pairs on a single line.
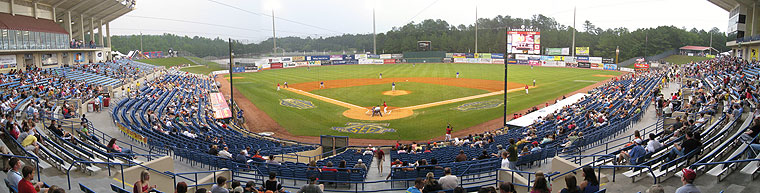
[[426, 96]]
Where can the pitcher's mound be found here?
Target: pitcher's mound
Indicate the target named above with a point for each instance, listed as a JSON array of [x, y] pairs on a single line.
[[396, 92], [366, 114]]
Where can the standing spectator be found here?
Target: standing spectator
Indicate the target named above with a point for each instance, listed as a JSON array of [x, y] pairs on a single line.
[[431, 185], [512, 150], [25, 184], [143, 185], [311, 187], [448, 181], [272, 184], [221, 181], [380, 157], [590, 184], [688, 182], [419, 184], [572, 185]]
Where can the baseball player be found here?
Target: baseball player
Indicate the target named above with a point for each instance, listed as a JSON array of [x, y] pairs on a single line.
[[448, 132], [381, 75], [393, 86], [286, 85], [278, 86], [322, 84], [534, 82], [526, 89], [376, 110], [457, 74], [385, 108]]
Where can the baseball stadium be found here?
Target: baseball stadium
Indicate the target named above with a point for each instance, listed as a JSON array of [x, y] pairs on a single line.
[[203, 96]]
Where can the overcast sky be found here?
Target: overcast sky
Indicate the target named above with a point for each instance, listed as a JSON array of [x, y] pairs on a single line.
[[251, 19]]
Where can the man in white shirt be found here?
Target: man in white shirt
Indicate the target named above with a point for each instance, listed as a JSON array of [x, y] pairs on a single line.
[[14, 175], [448, 181], [653, 145], [504, 160], [225, 153]]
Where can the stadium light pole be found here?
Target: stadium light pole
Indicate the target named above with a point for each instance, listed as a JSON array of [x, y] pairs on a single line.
[[476, 26], [232, 62], [573, 48], [274, 36]]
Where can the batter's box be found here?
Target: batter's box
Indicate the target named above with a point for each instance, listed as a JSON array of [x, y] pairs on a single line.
[[480, 105], [365, 128], [297, 103]]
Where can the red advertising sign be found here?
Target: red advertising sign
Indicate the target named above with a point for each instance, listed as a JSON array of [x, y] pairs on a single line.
[[638, 65], [389, 61], [534, 62], [275, 65]]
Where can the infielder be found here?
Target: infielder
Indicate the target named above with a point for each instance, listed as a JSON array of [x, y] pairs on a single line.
[[322, 84], [381, 75], [278, 86], [534, 82], [393, 86], [457, 74], [286, 85], [526, 89]]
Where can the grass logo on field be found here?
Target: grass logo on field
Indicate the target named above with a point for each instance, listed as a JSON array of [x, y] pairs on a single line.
[[365, 128], [480, 105], [297, 103]]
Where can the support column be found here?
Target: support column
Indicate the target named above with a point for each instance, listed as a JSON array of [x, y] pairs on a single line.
[[10, 6], [100, 33], [92, 29], [81, 26], [55, 19], [35, 11], [67, 24], [108, 34]]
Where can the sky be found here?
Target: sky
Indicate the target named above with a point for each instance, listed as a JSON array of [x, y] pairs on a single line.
[[251, 20]]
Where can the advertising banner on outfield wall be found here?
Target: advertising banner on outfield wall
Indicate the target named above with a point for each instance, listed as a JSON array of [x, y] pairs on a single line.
[[473, 60], [485, 60], [301, 63], [511, 61], [522, 62], [449, 55], [275, 65], [582, 59], [638, 65], [534, 62], [469, 55], [360, 56], [597, 66], [373, 56], [584, 65], [448, 60], [273, 60], [386, 56], [460, 60], [483, 55], [316, 58], [581, 51], [336, 57], [521, 56], [289, 64], [314, 63], [547, 58], [286, 59], [595, 59], [553, 63], [399, 56], [459, 55], [497, 56], [534, 57], [238, 69], [497, 61], [610, 66], [389, 61], [570, 59], [299, 58], [557, 51], [348, 57]]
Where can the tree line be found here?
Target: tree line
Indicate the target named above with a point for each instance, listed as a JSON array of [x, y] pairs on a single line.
[[449, 38]]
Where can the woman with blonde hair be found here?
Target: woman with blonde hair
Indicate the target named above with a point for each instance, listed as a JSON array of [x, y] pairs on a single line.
[[143, 185]]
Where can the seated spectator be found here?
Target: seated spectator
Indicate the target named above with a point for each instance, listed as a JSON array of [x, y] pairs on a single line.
[[507, 187], [656, 189], [30, 143], [312, 186], [115, 148], [419, 184], [143, 184], [219, 187], [87, 133], [361, 165], [590, 183], [688, 145], [633, 154], [225, 153], [431, 185], [753, 131], [525, 151], [572, 185], [653, 145], [312, 165], [272, 184], [540, 185], [461, 157], [241, 158], [236, 188], [687, 178], [329, 167], [273, 160], [181, 187], [25, 184], [536, 147], [448, 181], [212, 150], [257, 156], [14, 173], [250, 187], [342, 165], [484, 155]]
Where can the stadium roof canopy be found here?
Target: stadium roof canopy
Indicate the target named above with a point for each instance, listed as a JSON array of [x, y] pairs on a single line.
[[695, 48], [88, 12], [730, 4]]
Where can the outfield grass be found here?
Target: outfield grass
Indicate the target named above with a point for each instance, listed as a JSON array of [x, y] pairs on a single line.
[[426, 123], [421, 93], [167, 62], [684, 59]]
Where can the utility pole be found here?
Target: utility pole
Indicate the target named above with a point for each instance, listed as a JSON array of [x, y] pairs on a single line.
[[573, 48], [711, 43], [646, 44], [476, 27], [274, 36], [374, 34], [141, 36], [617, 53]]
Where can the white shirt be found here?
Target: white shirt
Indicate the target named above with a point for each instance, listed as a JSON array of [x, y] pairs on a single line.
[[504, 163], [449, 182], [224, 153], [653, 145]]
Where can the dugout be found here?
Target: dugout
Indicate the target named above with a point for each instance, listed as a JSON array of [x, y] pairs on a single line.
[[424, 56]]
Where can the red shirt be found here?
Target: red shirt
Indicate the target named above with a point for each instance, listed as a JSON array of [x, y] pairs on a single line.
[[325, 169], [24, 186], [384, 105], [526, 86], [448, 130]]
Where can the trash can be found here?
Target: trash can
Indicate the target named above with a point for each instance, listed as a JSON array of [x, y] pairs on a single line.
[[90, 106], [106, 100]]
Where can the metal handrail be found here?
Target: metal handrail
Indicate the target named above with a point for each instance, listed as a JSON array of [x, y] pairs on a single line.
[[36, 161]]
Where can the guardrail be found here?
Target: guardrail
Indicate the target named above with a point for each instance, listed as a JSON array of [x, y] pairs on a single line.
[[35, 159]]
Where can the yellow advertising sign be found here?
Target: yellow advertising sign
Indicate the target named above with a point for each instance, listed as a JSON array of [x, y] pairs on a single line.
[[581, 51]]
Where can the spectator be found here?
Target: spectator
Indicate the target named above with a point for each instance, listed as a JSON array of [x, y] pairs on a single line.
[[241, 158], [572, 185], [236, 188], [272, 184], [143, 185], [461, 157], [273, 160], [653, 145], [30, 143], [181, 187], [342, 166], [431, 185], [14, 175], [201, 190], [512, 149], [536, 147], [86, 132], [221, 181], [656, 189], [25, 184], [484, 155], [507, 187], [688, 145], [212, 150], [249, 187], [634, 154], [115, 148], [312, 187], [448, 181], [688, 182], [590, 183], [361, 165], [380, 157], [540, 185], [459, 190], [56, 189], [419, 184], [753, 131], [225, 153], [329, 167]]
